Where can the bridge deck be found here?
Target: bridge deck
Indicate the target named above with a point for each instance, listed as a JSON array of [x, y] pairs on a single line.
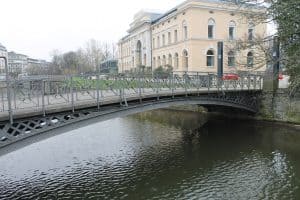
[[31, 109]]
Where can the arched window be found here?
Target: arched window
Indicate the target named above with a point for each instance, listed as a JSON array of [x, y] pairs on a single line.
[[170, 60], [176, 61], [250, 31], [211, 28], [231, 30], [210, 58], [138, 54], [185, 60], [164, 60], [231, 59], [250, 60], [154, 62], [184, 30], [158, 61]]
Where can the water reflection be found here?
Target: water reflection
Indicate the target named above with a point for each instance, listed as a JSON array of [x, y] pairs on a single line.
[[158, 155]]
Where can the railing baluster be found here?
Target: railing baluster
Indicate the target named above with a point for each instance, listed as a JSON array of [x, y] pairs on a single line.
[[43, 98], [72, 94], [172, 85], [8, 84], [157, 87], [98, 94]]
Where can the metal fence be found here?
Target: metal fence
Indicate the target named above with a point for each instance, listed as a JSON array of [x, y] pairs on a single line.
[[55, 92]]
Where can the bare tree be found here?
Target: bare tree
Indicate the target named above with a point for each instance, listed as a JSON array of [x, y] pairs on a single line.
[[94, 53], [84, 60]]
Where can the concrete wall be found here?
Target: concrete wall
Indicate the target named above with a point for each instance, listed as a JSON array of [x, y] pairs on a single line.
[[279, 106]]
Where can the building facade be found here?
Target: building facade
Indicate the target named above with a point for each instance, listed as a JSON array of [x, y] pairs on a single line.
[[3, 52], [135, 48], [17, 63], [186, 37]]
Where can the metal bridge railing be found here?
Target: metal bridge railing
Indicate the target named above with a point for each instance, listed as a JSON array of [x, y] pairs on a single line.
[[49, 92]]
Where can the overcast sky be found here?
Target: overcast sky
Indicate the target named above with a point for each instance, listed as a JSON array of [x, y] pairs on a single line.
[[36, 27]]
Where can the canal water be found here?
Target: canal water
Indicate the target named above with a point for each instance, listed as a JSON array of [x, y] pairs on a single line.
[[161, 154]]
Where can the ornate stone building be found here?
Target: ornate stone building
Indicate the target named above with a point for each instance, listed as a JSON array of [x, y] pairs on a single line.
[[135, 48], [186, 38], [3, 52]]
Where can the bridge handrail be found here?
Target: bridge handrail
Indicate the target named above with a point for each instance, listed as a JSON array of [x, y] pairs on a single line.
[[43, 92]]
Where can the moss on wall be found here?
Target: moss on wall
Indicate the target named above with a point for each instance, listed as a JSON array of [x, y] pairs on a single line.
[[279, 106]]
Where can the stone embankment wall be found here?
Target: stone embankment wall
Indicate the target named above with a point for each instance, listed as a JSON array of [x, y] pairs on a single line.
[[279, 106]]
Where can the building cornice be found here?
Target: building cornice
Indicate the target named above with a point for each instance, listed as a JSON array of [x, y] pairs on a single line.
[[139, 25], [215, 5]]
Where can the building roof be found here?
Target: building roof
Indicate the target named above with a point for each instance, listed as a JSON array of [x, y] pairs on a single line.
[[228, 2]]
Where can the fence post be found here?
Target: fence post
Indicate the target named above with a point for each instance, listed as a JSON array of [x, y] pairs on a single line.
[[140, 87], [43, 98], [157, 87], [185, 83], [208, 82], [172, 84], [98, 94], [198, 85], [72, 94], [249, 81]]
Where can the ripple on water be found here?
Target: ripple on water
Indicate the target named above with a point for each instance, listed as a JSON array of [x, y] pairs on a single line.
[[131, 158]]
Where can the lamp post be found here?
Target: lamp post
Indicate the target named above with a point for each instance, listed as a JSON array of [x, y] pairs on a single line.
[[8, 90]]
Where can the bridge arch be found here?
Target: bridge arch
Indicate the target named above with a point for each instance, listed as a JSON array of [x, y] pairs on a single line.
[[28, 131]]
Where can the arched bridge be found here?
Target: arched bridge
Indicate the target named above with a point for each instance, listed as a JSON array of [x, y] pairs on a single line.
[[31, 107]]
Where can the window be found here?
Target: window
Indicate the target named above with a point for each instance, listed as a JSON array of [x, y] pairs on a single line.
[[184, 29], [211, 28], [185, 60], [175, 36], [169, 38], [185, 32], [231, 30], [158, 42], [176, 61], [210, 57], [163, 40], [158, 61], [153, 43], [250, 34], [154, 62], [164, 60], [170, 60], [145, 59], [250, 59], [231, 59], [250, 31], [132, 61]]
